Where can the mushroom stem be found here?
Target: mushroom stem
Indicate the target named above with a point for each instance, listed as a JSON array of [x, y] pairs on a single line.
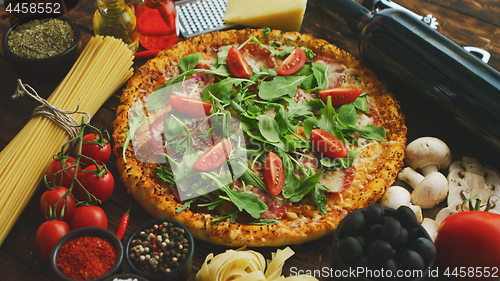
[[429, 169], [410, 176]]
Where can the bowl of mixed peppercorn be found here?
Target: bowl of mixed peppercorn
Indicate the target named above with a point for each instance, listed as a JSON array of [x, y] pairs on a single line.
[[42, 47], [161, 250], [87, 253]]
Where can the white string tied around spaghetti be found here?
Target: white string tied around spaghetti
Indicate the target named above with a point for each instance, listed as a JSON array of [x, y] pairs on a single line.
[[61, 117]]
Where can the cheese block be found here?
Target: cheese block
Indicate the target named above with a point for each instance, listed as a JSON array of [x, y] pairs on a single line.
[[286, 15]]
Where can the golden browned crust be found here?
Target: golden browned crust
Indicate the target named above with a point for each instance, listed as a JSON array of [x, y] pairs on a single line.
[[369, 184]]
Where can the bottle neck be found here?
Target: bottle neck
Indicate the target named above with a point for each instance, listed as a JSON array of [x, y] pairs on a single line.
[[110, 7], [353, 13]]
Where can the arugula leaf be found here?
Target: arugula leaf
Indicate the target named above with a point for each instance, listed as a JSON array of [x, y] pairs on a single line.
[[223, 90], [185, 206], [268, 128], [361, 103], [309, 124], [306, 108], [280, 86], [291, 179], [319, 198], [347, 114], [173, 126], [222, 54], [320, 74], [265, 222], [247, 175], [189, 62], [371, 132], [246, 201], [165, 174], [281, 118], [307, 184]]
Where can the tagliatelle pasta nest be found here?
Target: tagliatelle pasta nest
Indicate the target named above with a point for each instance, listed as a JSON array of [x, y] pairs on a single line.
[[247, 265]]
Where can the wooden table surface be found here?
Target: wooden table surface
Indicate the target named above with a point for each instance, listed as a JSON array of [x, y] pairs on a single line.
[[467, 22]]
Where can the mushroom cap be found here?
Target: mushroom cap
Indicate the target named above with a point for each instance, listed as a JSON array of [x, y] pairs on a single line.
[[426, 151]]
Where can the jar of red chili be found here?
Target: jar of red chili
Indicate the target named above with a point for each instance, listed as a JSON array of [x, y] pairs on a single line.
[[88, 253]]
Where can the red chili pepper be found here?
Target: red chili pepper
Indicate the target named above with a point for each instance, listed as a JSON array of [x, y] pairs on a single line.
[[147, 54], [122, 226]]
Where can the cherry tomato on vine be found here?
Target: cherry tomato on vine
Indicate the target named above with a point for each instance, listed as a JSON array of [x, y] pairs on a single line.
[[327, 144], [237, 64], [47, 235], [49, 199], [190, 106], [89, 216], [340, 95], [293, 62], [274, 173], [95, 147], [57, 176], [98, 181], [214, 156], [469, 239]]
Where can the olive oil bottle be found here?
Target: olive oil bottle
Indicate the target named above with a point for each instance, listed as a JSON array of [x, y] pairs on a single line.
[[115, 18]]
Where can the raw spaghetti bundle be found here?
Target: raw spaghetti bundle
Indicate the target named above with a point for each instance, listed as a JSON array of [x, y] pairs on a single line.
[[103, 66]]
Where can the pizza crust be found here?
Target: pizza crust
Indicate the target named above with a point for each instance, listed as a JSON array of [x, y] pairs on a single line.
[[383, 160]]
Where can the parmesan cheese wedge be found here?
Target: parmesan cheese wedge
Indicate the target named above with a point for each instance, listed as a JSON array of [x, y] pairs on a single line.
[[286, 15]]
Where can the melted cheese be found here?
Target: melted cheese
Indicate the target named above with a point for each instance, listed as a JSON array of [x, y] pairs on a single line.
[[286, 15]]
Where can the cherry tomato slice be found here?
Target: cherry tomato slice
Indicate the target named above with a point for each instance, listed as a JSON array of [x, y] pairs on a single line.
[[292, 63], [190, 106], [274, 173], [237, 64], [340, 95], [214, 156], [328, 144]]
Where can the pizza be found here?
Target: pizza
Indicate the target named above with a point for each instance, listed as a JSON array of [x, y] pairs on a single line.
[[257, 137]]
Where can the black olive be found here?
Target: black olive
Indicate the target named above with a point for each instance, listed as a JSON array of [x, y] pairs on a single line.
[[365, 262], [403, 238], [425, 248], [374, 213], [411, 260], [406, 216], [391, 230], [350, 249], [416, 232], [380, 250], [376, 231], [392, 266], [353, 222]]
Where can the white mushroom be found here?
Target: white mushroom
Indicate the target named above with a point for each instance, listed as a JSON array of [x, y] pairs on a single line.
[[397, 196], [431, 226], [428, 154], [428, 191]]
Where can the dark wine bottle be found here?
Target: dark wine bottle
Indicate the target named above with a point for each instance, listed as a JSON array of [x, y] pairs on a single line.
[[394, 43]]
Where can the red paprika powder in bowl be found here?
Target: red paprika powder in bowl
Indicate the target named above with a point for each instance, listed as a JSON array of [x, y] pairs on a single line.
[[88, 253]]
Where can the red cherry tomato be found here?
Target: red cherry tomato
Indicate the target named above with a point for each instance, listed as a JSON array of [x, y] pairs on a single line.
[[237, 64], [49, 199], [469, 240], [89, 216], [292, 63], [47, 235], [190, 106], [214, 156], [95, 147], [327, 144], [100, 184], [340, 95], [274, 173], [57, 176]]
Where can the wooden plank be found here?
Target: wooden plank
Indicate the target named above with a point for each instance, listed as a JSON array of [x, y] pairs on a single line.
[[483, 10]]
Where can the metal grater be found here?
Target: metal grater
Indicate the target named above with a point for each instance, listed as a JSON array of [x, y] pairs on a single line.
[[196, 17]]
